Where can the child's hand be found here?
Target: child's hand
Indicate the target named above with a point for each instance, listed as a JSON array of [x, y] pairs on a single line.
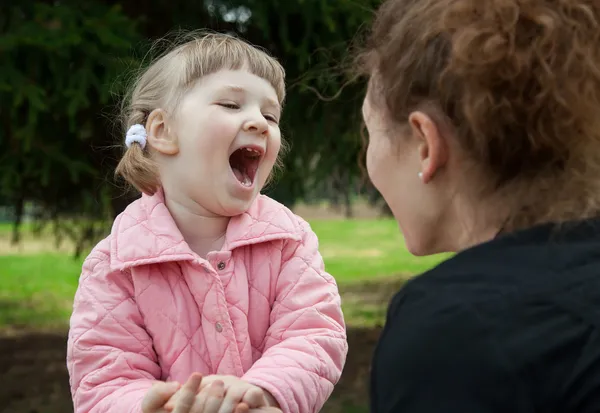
[[237, 391], [157, 397], [182, 400], [261, 410], [215, 394], [218, 394]]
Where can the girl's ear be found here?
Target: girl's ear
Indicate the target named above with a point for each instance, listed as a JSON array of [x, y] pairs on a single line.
[[159, 136]]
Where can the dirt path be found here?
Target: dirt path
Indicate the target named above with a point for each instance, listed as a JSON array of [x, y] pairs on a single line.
[[33, 374], [34, 379]]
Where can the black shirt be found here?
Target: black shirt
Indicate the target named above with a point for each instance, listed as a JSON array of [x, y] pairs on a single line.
[[511, 326]]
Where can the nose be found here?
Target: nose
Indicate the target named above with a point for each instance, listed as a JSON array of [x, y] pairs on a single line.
[[256, 124]]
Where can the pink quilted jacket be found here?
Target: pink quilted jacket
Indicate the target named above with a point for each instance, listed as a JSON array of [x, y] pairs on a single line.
[[262, 308]]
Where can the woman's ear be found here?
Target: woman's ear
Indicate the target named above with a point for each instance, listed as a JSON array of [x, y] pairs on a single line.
[[159, 136], [433, 148]]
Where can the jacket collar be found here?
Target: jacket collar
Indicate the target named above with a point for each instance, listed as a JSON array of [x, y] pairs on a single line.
[[145, 233]]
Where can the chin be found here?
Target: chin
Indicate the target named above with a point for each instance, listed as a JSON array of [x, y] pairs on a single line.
[[415, 248], [417, 245], [236, 207], [424, 247], [419, 252]]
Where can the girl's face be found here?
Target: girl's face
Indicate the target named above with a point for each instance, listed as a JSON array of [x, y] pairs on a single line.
[[224, 140]]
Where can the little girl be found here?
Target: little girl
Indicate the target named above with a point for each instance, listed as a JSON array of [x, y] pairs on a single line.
[[203, 280]]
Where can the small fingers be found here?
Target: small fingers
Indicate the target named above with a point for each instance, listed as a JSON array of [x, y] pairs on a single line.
[[170, 405], [242, 408], [233, 396], [187, 394], [210, 399], [207, 381], [158, 395], [254, 398]]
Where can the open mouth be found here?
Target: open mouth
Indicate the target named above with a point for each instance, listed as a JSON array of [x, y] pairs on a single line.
[[244, 164]]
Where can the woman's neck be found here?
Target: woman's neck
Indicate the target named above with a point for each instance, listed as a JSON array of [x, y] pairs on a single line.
[[475, 223], [203, 231]]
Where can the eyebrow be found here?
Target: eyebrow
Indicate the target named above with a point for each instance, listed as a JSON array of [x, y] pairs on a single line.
[[235, 88]]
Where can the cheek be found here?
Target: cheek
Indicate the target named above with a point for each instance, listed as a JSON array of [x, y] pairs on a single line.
[[376, 158], [273, 147], [196, 136], [371, 159], [221, 127]]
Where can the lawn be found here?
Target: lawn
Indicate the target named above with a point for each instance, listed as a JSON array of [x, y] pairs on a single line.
[[356, 250], [367, 257], [37, 290]]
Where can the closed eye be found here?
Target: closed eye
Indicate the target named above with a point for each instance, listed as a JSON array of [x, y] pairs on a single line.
[[271, 118], [229, 105]]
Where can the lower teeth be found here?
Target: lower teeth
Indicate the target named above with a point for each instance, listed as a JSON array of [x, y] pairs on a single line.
[[242, 177], [247, 181]]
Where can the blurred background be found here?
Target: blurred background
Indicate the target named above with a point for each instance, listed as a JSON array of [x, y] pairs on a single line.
[[63, 68]]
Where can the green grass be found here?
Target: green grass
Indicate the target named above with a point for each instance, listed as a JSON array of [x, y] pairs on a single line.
[[7, 227], [36, 290], [363, 249]]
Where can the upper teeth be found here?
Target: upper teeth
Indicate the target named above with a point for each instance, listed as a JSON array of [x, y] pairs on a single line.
[[254, 151]]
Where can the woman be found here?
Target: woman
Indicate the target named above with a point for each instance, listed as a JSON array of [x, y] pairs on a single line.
[[484, 139]]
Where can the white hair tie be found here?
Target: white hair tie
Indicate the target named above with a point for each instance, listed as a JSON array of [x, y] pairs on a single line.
[[136, 133]]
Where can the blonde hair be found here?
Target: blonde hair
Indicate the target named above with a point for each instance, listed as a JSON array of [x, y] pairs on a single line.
[[165, 81]]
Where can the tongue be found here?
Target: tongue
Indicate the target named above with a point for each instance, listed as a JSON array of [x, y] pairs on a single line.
[[242, 177]]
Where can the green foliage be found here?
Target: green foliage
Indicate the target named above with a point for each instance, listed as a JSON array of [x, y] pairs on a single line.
[[58, 68], [60, 80], [322, 119]]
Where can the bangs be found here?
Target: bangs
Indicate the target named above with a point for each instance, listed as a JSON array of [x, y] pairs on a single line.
[[212, 53]]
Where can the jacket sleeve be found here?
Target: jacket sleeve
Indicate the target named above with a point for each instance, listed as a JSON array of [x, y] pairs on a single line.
[[110, 358], [305, 347]]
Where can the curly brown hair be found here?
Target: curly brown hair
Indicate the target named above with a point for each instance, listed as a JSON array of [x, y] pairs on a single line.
[[520, 82]]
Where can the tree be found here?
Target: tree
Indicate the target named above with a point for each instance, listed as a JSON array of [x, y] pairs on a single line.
[[58, 68], [62, 75]]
